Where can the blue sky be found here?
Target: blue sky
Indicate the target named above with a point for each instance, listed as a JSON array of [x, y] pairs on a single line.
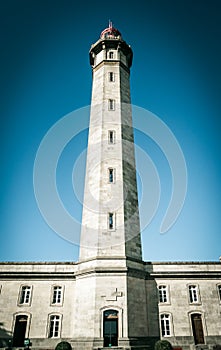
[[45, 74]]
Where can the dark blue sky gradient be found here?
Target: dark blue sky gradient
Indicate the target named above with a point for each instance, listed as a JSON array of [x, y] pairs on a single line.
[[176, 74]]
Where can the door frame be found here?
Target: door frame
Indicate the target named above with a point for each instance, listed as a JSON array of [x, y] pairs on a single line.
[[120, 320], [203, 324], [20, 313], [113, 325]]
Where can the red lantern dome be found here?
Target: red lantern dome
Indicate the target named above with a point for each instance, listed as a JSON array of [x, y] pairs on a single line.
[[110, 33]]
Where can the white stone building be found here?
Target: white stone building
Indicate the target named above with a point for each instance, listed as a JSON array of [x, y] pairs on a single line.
[[110, 297]]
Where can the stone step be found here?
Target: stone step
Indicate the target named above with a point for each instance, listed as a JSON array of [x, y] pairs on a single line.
[[112, 348], [140, 347]]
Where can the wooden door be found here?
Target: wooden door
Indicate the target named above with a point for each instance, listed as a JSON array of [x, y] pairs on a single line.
[[197, 327], [20, 330]]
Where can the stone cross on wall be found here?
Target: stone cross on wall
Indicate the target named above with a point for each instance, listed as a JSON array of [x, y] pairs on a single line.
[[112, 296]]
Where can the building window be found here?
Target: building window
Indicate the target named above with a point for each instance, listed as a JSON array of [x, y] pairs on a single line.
[[111, 221], [57, 295], [111, 175], [111, 76], [54, 326], [219, 291], [111, 104], [111, 55], [165, 325], [111, 136], [163, 294], [25, 295], [193, 294]]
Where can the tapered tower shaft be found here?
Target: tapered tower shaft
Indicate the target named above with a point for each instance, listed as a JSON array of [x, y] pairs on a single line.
[[110, 220]]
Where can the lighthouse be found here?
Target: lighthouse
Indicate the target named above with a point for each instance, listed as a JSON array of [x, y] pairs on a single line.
[[110, 283]]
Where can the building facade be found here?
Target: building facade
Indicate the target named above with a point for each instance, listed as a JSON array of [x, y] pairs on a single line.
[[182, 304], [110, 297]]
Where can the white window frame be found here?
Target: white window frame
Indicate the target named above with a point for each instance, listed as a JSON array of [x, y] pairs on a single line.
[[165, 325], [111, 104], [111, 55], [57, 291], [193, 293], [113, 137], [163, 294], [25, 294], [57, 321]]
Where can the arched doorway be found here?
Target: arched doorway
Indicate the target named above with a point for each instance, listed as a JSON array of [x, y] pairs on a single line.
[[197, 327], [20, 330], [110, 328]]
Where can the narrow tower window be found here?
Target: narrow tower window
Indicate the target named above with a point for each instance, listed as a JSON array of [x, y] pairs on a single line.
[[111, 55], [111, 175], [111, 104], [111, 136], [111, 76], [111, 221]]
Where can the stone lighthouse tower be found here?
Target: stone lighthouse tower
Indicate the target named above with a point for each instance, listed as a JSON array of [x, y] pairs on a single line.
[[110, 283]]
